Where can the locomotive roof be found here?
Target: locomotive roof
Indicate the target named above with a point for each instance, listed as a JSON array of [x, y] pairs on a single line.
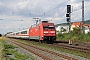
[[45, 21]]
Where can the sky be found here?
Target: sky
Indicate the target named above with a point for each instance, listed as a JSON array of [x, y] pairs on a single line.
[[16, 15]]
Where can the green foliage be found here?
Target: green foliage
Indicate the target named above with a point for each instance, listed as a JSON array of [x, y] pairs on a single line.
[[75, 35], [57, 31], [20, 56], [87, 37], [32, 58], [76, 31], [64, 36], [60, 36], [11, 59], [9, 46], [8, 51]]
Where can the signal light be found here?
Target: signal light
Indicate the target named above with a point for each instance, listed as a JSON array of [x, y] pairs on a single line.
[[68, 19], [67, 15], [68, 8]]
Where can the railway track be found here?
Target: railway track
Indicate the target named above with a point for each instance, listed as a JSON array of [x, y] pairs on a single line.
[[47, 54], [85, 49], [72, 47]]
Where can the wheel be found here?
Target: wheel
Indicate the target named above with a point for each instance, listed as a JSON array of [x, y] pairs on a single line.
[[51, 41], [40, 41], [44, 41], [47, 41]]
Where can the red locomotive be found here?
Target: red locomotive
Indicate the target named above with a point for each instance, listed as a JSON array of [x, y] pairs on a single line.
[[44, 32]]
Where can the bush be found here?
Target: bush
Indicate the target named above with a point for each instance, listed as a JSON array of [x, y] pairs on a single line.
[[8, 51], [60, 36], [75, 35], [20, 56], [8, 46]]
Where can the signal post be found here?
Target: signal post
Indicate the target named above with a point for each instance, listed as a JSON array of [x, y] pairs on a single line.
[[68, 17]]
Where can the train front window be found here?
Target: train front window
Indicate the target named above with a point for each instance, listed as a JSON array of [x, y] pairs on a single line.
[[51, 27], [45, 27], [48, 27]]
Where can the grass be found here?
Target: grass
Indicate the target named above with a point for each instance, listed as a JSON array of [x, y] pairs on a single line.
[[74, 36], [20, 56], [1, 38], [32, 58], [9, 50], [9, 46], [1, 50]]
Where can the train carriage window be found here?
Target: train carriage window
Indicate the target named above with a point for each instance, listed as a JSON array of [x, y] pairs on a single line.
[[24, 32], [14, 34], [17, 33]]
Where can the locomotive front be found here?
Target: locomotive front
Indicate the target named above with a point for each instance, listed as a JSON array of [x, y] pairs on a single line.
[[49, 32]]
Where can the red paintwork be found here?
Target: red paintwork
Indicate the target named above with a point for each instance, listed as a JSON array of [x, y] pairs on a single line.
[[39, 31], [34, 31]]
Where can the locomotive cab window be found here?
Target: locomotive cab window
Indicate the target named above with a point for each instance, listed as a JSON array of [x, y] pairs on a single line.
[[45, 27], [51, 27], [48, 27]]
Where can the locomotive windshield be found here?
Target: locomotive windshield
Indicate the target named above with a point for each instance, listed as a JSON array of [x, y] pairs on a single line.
[[48, 27]]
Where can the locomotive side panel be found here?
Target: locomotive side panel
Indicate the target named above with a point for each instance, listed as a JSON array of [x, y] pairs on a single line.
[[45, 32], [41, 32], [34, 33]]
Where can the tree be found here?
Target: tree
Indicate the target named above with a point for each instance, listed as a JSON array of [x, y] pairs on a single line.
[[76, 31]]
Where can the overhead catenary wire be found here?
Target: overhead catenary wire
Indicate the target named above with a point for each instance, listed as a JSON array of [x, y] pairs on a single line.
[[25, 6], [47, 12], [40, 13], [80, 9], [54, 8], [57, 6]]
